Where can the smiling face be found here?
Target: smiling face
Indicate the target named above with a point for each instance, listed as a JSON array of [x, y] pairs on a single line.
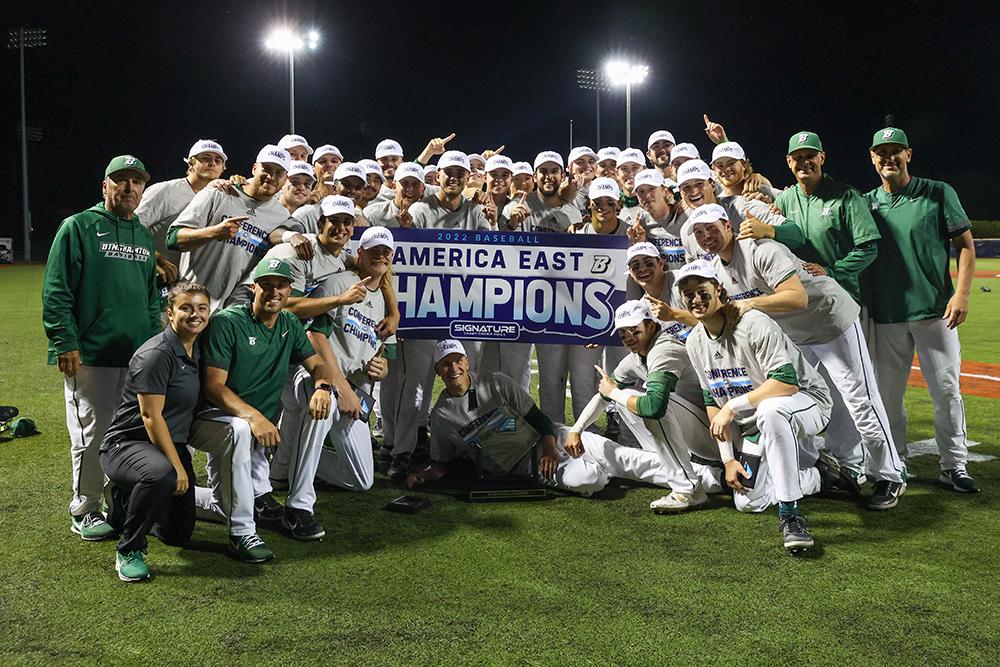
[[806, 164], [606, 168], [585, 166], [454, 370], [188, 313], [297, 189], [659, 153], [522, 183], [626, 175], [122, 192], [326, 166], [646, 270], [268, 178], [701, 296], [605, 209], [409, 189], [892, 161], [375, 262], [548, 178], [350, 187], [637, 338], [336, 231], [653, 198], [271, 294], [713, 237], [731, 172], [498, 181], [452, 180], [696, 192], [372, 187], [206, 166], [389, 164]]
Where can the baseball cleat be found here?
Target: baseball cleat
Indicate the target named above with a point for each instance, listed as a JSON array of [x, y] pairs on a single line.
[[796, 535], [250, 549], [131, 566], [829, 471], [613, 429], [302, 525], [678, 502], [886, 495], [266, 508], [960, 481], [91, 526], [400, 466]]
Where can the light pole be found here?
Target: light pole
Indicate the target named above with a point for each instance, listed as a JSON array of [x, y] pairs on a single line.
[[289, 41], [622, 73], [21, 39], [588, 79]]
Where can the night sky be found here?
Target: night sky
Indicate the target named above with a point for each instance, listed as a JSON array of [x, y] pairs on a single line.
[[149, 78]]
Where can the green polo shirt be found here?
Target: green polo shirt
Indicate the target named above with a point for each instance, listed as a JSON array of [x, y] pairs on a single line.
[[836, 223], [911, 280], [256, 357]]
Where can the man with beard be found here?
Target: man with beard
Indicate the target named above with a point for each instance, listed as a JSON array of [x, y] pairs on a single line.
[[658, 150], [543, 210], [409, 189], [388, 155], [298, 187]]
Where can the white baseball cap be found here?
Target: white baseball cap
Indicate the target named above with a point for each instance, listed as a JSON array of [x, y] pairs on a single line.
[[428, 170], [650, 177], [275, 155], [454, 159], [644, 249], [411, 169], [376, 236], [448, 346], [388, 147], [327, 149], [579, 152], [334, 204], [346, 169], [205, 146], [608, 153], [699, 267], [548, 156], [499, 162], [729, 149], [300, 167], [633, 155], [604, 187], [693, 170], [371, 167], [632, 313], [659, 135], [290, 140], [707, 213], [521, 169], [689, 151], [476, 156]]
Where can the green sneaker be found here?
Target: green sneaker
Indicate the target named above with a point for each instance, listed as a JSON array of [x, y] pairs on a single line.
[[250, 549], [131, 566], [91, 526]]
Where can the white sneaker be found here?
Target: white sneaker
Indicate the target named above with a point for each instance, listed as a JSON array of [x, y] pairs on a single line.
[[678, 502]]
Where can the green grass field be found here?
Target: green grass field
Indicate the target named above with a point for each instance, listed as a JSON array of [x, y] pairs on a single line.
[[566, 581]]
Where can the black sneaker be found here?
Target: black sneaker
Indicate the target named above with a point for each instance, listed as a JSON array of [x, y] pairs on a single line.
[[384, 454], [886, 495], [613, 428], [795, 533], [266, 508], [302, 525], [829, 471], [400, 466], [960, 481]]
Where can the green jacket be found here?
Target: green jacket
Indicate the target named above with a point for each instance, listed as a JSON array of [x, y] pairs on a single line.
[[100, 294]]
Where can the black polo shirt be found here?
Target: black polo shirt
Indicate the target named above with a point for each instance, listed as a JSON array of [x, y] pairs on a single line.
[[160, 366]]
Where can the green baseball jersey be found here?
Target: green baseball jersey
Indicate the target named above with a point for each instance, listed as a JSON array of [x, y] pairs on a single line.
[[222, 265], [491, 416], [542, 217], [758, 267], [351, 328], [911, 280], [835, 221], [739, 361], [256, 357], [161, 204], [431, 214], [99, 293]]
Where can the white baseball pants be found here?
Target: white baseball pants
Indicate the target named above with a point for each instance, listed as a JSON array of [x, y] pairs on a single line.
[[511, 359], [230, 494], [556, 365]]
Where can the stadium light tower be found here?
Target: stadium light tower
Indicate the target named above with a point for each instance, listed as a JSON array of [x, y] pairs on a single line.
[[623, 73], [588, 79], [290, 41], [21, 39]]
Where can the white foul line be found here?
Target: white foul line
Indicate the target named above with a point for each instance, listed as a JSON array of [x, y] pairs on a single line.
[[968, 375]]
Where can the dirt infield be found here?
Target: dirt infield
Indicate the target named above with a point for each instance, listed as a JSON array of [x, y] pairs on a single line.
[[977, 379], [979, 274]]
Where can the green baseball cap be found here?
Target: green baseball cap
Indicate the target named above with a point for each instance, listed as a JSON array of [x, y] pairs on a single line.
[[127, 163], [890, 135], [270, 266], [804, 140]]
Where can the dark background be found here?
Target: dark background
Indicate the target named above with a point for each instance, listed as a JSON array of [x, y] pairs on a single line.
[[150, 78]]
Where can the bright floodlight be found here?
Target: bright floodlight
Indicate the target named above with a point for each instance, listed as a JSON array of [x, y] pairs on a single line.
[[313, 39], [621, 73], [284, 39]]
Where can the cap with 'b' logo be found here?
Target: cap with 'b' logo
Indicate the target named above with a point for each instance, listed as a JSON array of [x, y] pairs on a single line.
[[804, 140], [890, 135]]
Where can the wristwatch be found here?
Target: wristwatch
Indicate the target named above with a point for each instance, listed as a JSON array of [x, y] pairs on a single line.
[[326, 387]]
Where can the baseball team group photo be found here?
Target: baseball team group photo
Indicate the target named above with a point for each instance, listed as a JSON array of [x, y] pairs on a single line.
[[379, 361]]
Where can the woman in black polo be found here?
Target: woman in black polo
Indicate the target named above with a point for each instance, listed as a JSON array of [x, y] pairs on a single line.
[[144, 453]]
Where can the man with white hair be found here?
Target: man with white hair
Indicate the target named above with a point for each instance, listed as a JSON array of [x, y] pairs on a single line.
[[490, 414], [658, 150], [298, 186], [297, 146], [223, 236]]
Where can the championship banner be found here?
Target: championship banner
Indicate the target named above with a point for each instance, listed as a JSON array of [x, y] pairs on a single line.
[[519, 286]]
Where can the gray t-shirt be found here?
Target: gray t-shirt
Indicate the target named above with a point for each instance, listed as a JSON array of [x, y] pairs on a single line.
[[739, 361], [306, 273], [758, 267], [351, 328], [308, 216], [383, 213], [161, 204], [431, 214], [588, 228], [542, 217], [222, 265], [734, 207], [667, 356], [665, 234], [490, 414]]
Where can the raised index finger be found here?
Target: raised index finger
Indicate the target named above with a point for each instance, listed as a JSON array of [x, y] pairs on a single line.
[[499, 150], [448, 138], [708, 123]]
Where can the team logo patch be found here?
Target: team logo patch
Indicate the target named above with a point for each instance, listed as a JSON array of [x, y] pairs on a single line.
[[888, 134], [130, 161], [717, 355], [826, 211], [804, 137], [273, 263], [252, 340]]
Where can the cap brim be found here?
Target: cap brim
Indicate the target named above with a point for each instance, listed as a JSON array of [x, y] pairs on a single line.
[[629, 322], [272, 274], [142, 172], [884, 143]]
